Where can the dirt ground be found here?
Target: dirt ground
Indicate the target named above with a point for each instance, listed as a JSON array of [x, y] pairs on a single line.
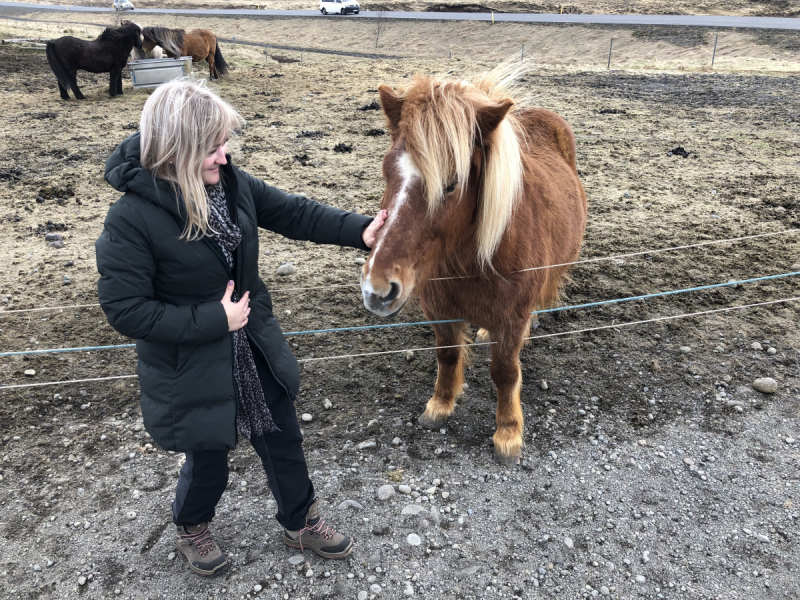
[[652, 468]]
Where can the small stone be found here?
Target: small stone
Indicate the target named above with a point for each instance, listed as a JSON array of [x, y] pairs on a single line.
[[307, 417], [350, 504], [569, 543], [53, 237], [771, 351], [688, 461], [409, 355], [403, 488], [367, 445], [360, 260], [642, 442], [413, 539], [130, 515], [327, 404], [789, 440], [37, 568], [30, 372], [171, 556], [309, 573], [685, 349], [413, 509], [257, 588], [640, 579], [543, 384], [396, 442], [375, 589], [385, 492], [755, 346], [57, 244], [762, 538], [362, 595], [81, 580], [66, 280], [604, 591], [766, 385], [297, 559], [285, 269]]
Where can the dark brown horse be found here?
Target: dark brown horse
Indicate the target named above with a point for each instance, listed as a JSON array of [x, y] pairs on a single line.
[[200, 44], [481, 193], [106, 54]]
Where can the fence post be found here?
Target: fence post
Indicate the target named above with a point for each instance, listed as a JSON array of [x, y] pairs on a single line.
[[608, 66], [713, 56], [234, 43]]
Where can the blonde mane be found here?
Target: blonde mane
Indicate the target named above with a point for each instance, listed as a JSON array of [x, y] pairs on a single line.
[[441, 135]]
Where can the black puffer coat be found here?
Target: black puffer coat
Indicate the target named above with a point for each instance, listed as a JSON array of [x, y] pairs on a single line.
[[165, 293]]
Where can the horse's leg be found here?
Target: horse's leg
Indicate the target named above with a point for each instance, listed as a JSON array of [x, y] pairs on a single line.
[[114, 81], [450, 378], [73, 83], [212, 71], [507, 377]]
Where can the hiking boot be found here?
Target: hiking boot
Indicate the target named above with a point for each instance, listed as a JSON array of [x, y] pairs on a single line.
[[200, 550], [319, 537]]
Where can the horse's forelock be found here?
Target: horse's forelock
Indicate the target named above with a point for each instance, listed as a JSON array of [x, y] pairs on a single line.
[[441, 130]]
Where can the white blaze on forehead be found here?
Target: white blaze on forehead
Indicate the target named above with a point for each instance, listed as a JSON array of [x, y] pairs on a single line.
[[408, 173]]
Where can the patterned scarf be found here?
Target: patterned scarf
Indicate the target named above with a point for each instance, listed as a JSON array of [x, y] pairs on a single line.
[[253, 417]]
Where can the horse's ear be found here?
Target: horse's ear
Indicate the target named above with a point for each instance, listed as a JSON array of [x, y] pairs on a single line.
[[491, 115], [392, 105]]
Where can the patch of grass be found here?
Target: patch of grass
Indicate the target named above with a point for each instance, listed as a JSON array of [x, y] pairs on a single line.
[[396, 476], [685, 37]]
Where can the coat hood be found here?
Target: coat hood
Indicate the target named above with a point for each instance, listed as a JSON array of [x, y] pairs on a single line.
[[125, 173]]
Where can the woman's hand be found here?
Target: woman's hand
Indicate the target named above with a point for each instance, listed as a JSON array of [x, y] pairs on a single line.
[[237, 312], [373, 228]]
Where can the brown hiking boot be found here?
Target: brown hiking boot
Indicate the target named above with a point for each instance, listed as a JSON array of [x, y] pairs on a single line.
[[319, 537], [200, 550]]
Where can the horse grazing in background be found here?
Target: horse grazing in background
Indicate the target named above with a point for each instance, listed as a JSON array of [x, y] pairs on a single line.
[[200, 44], [106, 54], [482, 196]]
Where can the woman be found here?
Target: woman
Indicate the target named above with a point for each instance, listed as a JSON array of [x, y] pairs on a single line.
[[178, 262]]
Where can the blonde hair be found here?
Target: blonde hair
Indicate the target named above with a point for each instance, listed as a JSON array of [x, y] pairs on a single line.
[[181, 123], [441, 137]]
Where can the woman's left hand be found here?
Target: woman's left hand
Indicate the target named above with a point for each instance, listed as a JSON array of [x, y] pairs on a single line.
[[372, 229]]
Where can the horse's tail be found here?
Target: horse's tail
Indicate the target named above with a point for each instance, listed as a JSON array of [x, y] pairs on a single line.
[[219, 63], [55, 65]]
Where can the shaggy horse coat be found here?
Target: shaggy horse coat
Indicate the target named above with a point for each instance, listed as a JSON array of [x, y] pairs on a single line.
[[200, 44], [106, 54], [484, 208]]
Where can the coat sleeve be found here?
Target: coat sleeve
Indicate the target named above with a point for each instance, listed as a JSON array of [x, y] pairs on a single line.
[[127, 267], [300, 218]]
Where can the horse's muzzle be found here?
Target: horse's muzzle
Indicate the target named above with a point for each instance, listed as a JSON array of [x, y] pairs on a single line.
[[383, 305]]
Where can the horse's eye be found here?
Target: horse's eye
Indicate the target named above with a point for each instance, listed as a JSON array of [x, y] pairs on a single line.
[[450, 188]]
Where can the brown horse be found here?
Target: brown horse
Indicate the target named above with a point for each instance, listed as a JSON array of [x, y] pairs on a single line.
[[200, 44], [480, 192]]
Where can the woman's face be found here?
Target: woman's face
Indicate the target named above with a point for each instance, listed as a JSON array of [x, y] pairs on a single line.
[[210, 167]]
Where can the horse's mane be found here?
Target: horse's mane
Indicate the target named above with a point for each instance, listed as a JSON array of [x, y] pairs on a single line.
[[119, 34], [169, 39], [441, 133]]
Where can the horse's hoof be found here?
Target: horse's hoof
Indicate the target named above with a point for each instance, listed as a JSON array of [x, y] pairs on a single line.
[[431, 423], [508, 461]]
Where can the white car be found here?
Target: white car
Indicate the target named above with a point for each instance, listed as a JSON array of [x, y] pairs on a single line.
[[338, 7], [122, 5]]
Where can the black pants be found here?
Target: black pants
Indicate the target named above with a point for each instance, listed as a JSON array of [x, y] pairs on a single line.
[[204, 475]]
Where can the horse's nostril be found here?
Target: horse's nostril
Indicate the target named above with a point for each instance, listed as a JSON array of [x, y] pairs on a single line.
[[393, 294]]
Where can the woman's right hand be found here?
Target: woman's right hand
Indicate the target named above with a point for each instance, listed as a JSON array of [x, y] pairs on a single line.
[[237, 312]]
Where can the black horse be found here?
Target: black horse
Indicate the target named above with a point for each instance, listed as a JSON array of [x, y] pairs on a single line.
[[107, 54]]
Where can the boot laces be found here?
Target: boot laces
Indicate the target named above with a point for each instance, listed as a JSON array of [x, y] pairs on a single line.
[[319, 528], [201, 540]]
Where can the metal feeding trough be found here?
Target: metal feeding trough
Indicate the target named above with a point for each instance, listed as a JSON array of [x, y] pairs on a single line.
[[155, 71]]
